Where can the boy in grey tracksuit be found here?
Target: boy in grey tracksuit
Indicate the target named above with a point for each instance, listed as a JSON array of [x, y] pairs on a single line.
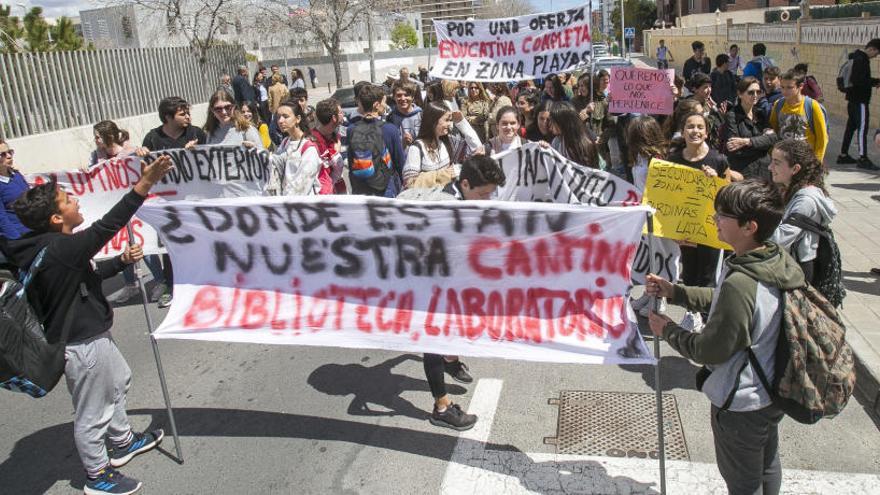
[[67, 280], [744, 311]]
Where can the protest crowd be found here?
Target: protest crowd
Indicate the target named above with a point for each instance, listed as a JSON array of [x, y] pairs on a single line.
[[759, 128]]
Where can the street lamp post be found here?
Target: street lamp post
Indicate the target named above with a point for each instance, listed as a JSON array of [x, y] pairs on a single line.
[[622, 32]]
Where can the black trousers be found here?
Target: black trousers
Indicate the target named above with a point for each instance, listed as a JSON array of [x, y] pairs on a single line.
[[435, 367], [698, 265], [856, 125]]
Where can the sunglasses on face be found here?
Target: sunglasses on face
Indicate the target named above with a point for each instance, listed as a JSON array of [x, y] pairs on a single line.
[[9, 153], [223, 109]]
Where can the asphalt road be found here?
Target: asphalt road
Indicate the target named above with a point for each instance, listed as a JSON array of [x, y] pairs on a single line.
[[276, 419]]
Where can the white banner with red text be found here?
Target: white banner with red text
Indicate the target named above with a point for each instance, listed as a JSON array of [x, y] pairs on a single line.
[[513, 48], [202, 172], [527, 281], [536, 173]]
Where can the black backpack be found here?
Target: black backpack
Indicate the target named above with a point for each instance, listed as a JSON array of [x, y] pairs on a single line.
[[369, 162], [28, 363], [827, 268]]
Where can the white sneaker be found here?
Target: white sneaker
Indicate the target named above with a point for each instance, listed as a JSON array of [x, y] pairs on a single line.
[[124, 294], [646, 310], [638, 304], [692, 322]]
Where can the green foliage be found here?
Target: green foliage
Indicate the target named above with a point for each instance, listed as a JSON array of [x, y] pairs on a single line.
[[11, 30], [640, 14], [64, 35], [36, 31], [36, 35], [404, 36]]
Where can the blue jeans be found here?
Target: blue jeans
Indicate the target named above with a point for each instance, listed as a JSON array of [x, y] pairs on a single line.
[[153, 264]]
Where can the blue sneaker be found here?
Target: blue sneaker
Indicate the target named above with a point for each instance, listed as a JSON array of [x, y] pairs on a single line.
[[141, 443], [111, 481]]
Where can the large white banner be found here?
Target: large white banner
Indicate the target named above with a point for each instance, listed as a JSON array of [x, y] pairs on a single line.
[[530, 281], [203, 172], [514, 48], [535, 173]]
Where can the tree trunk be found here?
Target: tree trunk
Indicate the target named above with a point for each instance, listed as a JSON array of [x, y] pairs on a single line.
[[337, 68]]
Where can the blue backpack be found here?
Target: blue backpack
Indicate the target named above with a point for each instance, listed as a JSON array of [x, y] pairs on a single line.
[[808, 110]]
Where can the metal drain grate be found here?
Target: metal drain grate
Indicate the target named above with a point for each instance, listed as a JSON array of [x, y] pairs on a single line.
[[616, 424]]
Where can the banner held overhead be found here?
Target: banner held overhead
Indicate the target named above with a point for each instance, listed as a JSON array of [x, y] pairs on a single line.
[[514, 48]]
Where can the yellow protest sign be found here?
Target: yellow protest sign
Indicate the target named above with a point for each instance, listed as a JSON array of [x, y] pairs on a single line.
[[684, 198]]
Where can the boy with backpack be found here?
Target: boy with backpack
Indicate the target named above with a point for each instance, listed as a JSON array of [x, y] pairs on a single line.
[[67, 282], [796, 116], [375, 152], [857, 83], [745, 315]]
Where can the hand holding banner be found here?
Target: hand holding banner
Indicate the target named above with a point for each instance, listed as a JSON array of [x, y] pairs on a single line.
[[200, 173], [684, 198]]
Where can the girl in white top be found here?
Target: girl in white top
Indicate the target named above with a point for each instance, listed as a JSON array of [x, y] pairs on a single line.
[[296, 162], [508, 128], [226, 125], [435, 150]]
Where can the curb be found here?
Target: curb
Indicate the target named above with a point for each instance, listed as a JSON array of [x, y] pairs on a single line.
[[867, 363]]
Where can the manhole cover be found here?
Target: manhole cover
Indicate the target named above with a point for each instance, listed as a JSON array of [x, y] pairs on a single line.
[[617, 424]]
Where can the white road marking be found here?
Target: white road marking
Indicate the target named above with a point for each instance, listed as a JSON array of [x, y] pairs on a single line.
[[475, 470]]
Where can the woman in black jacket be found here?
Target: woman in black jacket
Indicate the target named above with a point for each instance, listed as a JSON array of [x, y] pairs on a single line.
[[748, 133]]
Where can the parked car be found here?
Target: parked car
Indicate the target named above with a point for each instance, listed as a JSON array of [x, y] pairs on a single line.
[[608, 62], [345, 97]]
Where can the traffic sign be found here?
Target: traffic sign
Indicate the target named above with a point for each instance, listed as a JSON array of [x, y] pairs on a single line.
[[629, 33]]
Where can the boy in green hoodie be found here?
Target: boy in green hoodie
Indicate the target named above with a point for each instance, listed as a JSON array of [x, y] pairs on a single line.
[[744, 311]]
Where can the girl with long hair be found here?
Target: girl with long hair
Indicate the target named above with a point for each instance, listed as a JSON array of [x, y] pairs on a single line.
[[527, 101], [540, 128], [226, 125], [646, 142], [433, 158], [698, 261], [249, 111], [110, 142], [672, 127], [296, 163], [553, 89], [508, 127], [476, 109], [801, 177], [570, 135], [297, 80]]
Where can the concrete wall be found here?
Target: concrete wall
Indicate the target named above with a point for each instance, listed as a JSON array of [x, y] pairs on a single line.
[[70, 148], [824, 59], [356, 67], [738, 17]]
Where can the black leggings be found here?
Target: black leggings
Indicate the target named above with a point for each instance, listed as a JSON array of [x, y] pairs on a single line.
[[435, 367]]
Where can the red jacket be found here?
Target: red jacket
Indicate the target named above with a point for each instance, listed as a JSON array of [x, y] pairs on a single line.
[[329, 156]]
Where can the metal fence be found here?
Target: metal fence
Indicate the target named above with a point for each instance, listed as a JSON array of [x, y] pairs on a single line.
[[50, 91]]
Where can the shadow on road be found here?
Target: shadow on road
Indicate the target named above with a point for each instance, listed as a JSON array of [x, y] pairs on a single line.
[[38, 461], [376, 385], [675, 373], [855, 282]]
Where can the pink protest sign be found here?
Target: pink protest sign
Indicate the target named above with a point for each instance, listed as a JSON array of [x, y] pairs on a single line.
[[647, 91]]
